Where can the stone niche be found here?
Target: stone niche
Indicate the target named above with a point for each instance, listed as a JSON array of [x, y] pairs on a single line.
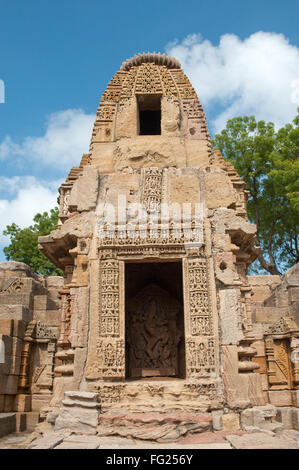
[[155, 345]]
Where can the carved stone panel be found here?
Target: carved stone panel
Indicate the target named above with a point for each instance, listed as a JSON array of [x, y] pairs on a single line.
[[110, 344], [279, 364], [199, 319], [200, 327], [154, 332], [152, 188]]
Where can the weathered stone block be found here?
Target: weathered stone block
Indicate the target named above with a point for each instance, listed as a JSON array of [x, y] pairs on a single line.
[[9, 403], [217, 420], [22, 402], [14, 312], [48, 442], [79, 413], [219, 190], [229, 313], [9, 384], [6, 326], [231, 421], [280, 397], [7, 423]]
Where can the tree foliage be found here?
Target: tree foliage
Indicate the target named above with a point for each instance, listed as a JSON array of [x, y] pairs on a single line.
[[24, 245], [268, 161]]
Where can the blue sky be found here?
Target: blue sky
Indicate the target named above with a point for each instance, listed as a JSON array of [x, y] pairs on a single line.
[[57, 57]]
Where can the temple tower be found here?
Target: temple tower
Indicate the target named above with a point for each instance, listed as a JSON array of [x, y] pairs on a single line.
[[154, 242]]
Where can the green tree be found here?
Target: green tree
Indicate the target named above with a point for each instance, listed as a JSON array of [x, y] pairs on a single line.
[[24, 245], [268, 161]]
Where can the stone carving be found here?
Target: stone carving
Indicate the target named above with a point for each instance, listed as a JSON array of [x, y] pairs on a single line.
[[44, 332], [128, 86], [153, 57], [193, 120], [37, 373], [152, 188], [66, 314], [153, 333], [112, 356], [200, 357], [199, 303], [155, 390], [168, 84], [195, 390], [109, 299], [284, 326], [279, 364], [15, 287], [149, 157], [111, 393], [63, 200], [106, 112], [148, 80], [183, 85]]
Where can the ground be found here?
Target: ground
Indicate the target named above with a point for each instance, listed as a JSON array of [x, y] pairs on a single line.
[[207, 440]]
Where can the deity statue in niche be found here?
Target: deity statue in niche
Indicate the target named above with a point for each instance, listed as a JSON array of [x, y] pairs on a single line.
[[153, 334]]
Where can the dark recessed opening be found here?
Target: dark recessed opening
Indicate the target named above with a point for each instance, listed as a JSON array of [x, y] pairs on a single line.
[[149, 110], [155, 344]]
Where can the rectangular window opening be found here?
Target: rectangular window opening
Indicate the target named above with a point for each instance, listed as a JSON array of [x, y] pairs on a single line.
[[149, 114]]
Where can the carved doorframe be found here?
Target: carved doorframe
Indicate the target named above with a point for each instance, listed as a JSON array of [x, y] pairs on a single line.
[[106, 358]]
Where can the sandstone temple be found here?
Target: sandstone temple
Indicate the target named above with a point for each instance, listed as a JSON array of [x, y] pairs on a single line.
[[155, 318]]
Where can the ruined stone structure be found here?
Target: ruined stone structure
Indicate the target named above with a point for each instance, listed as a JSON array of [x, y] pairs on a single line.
[[163, 319]]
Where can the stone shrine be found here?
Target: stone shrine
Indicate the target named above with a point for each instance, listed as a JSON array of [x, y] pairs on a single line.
[[155, 312]]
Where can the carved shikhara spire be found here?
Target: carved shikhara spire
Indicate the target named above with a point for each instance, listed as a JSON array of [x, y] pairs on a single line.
[[156, 58], [143, 75]]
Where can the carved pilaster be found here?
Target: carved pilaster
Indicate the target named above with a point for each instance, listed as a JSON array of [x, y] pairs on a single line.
[[109, 356], [200, 328], [66, 313], [152, 188]]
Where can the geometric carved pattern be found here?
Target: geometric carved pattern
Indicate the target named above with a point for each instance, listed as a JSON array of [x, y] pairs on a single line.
[[112, 354], [183, 84], [168, 84], [200, 357], [200, 339], [279, 364], [109, 299], [148, 80], [200, 311], [15, 286], [152, 188]]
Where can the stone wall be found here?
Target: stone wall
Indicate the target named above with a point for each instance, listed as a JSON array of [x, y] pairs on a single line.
[[29, 326]]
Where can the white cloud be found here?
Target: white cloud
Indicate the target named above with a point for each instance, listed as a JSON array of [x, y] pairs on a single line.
[[251, 76], [29, 196], [66, 138]]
